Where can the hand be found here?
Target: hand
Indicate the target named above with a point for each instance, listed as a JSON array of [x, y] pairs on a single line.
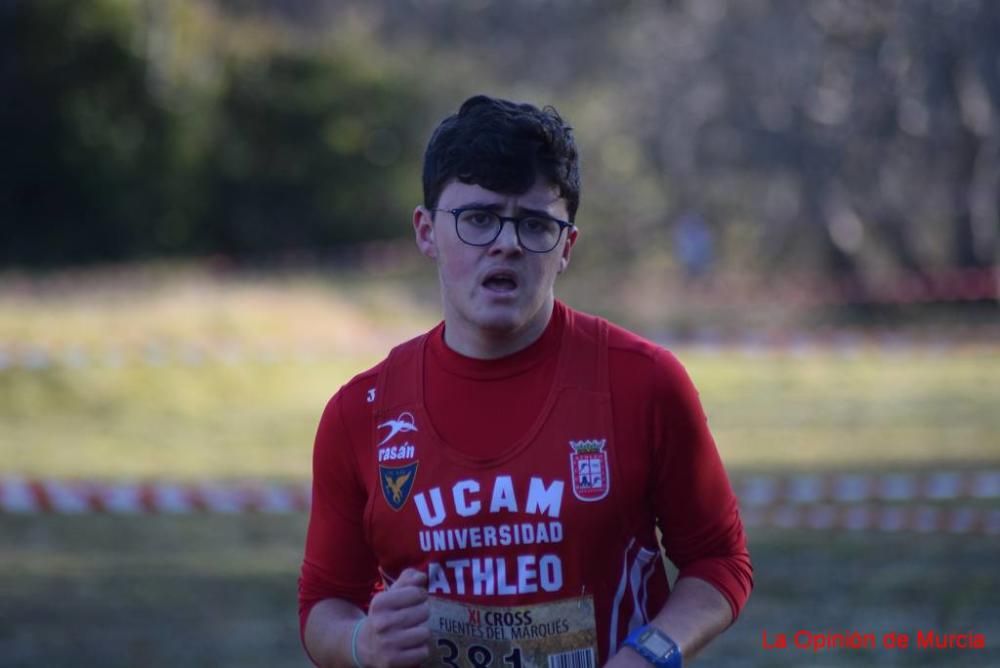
[[396, 633]]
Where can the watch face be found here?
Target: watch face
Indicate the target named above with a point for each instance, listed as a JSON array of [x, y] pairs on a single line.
[[656, 644]]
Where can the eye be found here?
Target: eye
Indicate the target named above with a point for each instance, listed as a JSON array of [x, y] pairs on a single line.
[[537, 225], [477, 218]]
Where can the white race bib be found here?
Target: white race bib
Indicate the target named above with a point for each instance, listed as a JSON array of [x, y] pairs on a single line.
[[551, 635]]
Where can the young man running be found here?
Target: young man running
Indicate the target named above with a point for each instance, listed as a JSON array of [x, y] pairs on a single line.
[[491, 493]]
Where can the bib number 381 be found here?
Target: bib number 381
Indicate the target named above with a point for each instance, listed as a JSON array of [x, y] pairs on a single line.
[[551, 635], [476, 656]]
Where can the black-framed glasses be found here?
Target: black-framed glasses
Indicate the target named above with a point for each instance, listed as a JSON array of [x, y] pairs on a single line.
[[481, 227]]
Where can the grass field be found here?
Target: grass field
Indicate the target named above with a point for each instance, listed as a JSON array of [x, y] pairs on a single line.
[[220, 590], [254, 419]]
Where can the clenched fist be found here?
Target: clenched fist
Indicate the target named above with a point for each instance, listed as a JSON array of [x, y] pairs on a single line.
[[396, 633]]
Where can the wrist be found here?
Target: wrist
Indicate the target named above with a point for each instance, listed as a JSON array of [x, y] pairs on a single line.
[[355, 634], [655, 646]]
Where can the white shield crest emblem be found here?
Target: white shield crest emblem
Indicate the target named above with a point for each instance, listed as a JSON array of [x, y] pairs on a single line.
[[588, 465]]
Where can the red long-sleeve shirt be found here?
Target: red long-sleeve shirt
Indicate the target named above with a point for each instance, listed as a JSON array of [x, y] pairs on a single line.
[[660, 452]]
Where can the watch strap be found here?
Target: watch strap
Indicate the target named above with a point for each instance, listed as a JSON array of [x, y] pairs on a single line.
[[655, 646]]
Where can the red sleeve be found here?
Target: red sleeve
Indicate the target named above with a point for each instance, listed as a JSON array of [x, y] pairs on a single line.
[[698, 512], [338, 562]]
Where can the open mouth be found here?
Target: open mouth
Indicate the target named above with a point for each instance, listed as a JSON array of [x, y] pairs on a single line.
[[500, 282]]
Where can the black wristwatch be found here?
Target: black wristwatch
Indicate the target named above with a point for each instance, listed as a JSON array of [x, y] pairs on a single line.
[[655, 646]]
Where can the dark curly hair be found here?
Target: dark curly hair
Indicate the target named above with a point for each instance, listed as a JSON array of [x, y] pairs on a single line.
[[502, 146]]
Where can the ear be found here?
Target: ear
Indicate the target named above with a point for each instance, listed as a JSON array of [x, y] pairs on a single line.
[[567, 248], [423, 228]]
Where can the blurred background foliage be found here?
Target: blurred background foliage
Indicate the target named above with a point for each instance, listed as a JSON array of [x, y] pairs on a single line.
[[139, 130], [841, 137]]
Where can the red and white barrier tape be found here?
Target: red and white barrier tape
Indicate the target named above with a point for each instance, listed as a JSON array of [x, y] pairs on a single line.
[[949, 286], [920, 518], [41, 357], [773, 502], [763, 491], [938, 285], [36, 357], [18, 495], [843, 343]]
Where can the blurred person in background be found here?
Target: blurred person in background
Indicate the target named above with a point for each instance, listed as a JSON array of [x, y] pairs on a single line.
[[490, 493], [694, 246]]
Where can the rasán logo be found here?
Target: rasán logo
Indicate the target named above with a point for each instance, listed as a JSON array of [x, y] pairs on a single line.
[[403, 423], [397, 481], [589, 469]]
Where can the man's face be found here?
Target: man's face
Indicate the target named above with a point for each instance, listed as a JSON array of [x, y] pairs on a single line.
[[498, 293]]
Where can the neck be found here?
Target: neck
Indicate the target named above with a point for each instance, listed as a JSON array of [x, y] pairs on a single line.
[[484, 343]]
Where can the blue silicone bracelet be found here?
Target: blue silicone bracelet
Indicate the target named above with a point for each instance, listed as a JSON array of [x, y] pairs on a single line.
[[354, 642]]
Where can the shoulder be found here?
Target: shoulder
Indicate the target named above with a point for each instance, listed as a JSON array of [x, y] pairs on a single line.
[[626, 343], [348, 411], [357, 397], [633, 350], [346, 419], [645, 361], [359, 391], [643, 366]]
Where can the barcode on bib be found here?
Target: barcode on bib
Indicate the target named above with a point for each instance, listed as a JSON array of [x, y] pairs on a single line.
[[578, 658]]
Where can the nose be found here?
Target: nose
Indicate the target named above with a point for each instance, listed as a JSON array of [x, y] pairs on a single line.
[[507, 240]]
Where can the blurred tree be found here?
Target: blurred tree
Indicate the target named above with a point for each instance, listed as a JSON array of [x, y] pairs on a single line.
[[845, 137], [953, 84], [853, 138], [87, 154], [311, 150], [858, 135], [131, 131]]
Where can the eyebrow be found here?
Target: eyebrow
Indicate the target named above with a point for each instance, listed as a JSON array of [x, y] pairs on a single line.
[[497, 206]]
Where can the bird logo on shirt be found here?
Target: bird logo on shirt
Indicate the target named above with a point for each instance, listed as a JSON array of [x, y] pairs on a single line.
[[403, 423], [396, 485], [397, 481]]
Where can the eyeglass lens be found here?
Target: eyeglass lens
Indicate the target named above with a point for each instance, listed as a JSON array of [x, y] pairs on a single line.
[[480, 227]]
